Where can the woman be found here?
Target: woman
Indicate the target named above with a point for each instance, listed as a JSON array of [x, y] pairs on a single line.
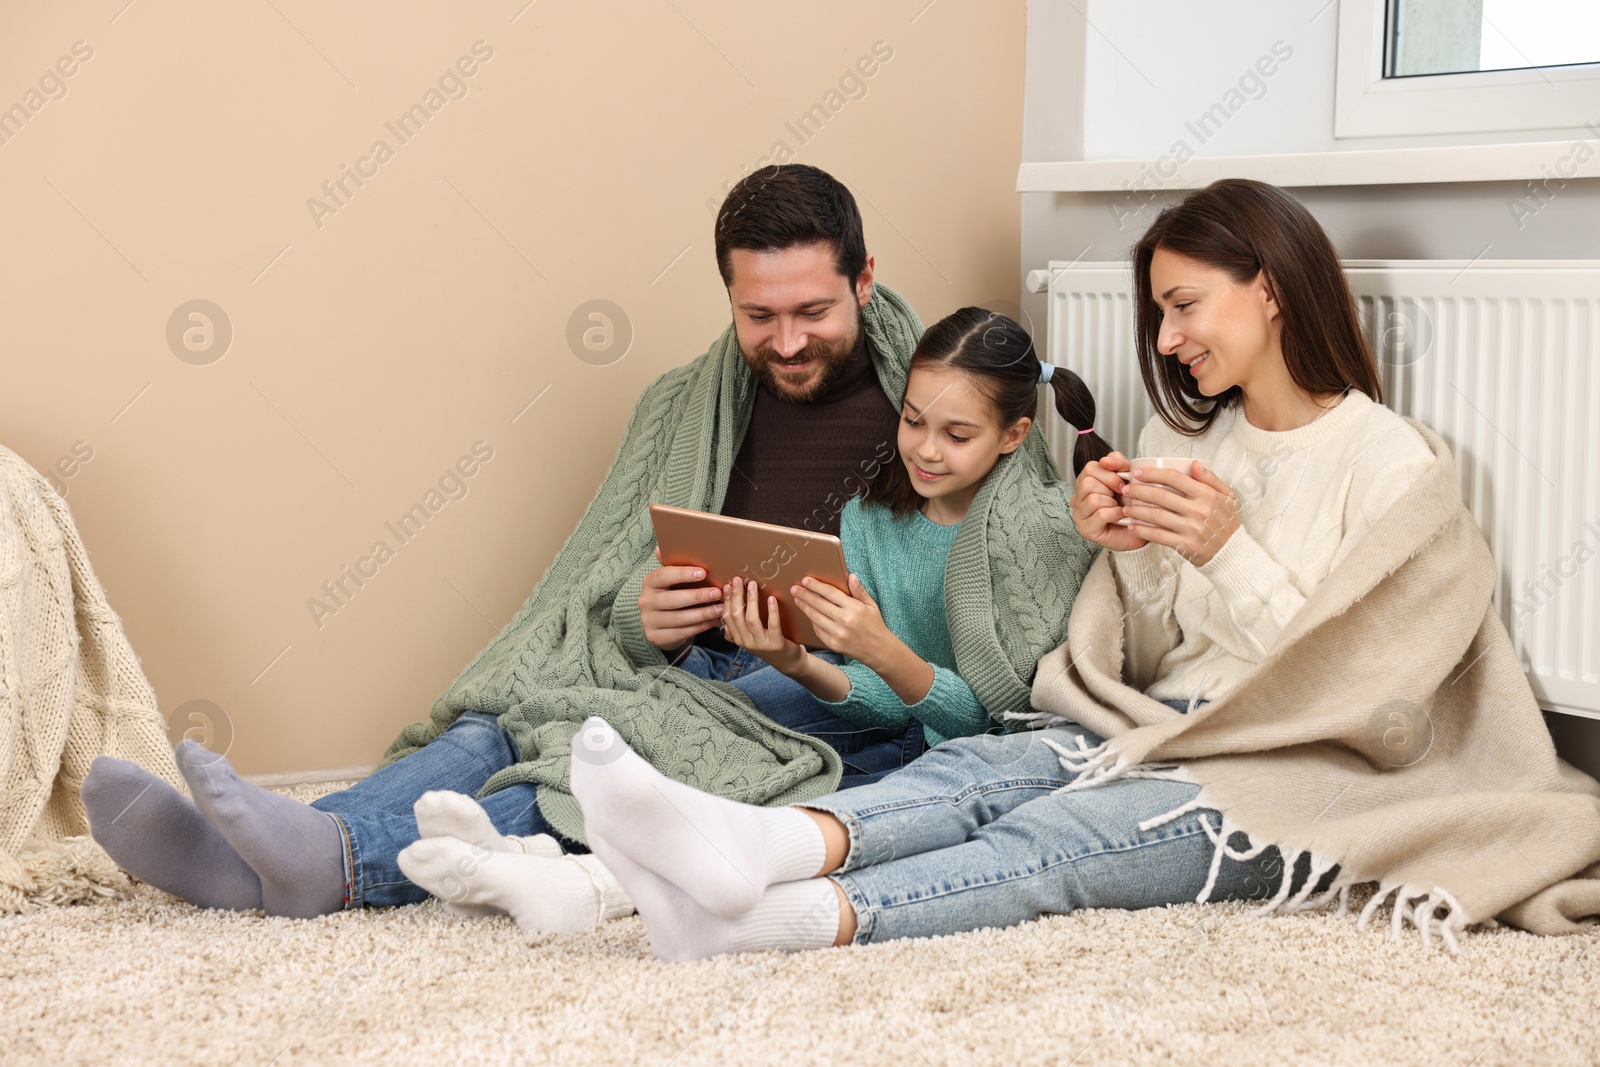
[[1310, 581]]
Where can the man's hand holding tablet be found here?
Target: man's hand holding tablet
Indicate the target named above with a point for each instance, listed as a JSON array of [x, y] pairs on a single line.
[[675, 606]]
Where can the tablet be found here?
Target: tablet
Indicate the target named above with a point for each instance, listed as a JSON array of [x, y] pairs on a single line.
[[776, 557]]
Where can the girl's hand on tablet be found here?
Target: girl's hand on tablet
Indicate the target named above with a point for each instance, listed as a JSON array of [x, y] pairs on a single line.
[[848, 622], [1194, 514], [1097, 505], [743, 626]]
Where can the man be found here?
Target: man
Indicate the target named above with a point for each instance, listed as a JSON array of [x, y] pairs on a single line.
[[781, 421]]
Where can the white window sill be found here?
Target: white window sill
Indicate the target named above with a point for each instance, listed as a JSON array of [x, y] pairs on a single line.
[[1537, 160]]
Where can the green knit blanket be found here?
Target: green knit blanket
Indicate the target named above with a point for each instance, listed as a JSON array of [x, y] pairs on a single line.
[[577, 646]]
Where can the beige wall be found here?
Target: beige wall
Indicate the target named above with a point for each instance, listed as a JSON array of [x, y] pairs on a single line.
[[375, 344]]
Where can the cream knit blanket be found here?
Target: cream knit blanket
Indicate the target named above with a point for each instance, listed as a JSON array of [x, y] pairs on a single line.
[[71, 689], [1390, 730]]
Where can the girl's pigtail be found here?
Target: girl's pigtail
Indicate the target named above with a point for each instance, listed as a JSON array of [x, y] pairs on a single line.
[[1076, 404]]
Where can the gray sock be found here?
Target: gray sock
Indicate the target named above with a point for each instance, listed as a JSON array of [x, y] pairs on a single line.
[[297, 850], [159, 837]]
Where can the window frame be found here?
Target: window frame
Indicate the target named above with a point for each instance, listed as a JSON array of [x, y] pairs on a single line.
[[1366, 104]]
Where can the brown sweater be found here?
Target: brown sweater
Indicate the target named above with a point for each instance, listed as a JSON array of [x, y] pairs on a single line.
[[800, 464]]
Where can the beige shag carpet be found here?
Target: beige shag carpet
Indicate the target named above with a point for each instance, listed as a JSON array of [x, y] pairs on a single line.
[[152, 980]]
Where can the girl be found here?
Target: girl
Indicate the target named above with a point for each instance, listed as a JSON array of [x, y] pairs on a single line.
[[1250, 349], [970, 399], [971, 394]]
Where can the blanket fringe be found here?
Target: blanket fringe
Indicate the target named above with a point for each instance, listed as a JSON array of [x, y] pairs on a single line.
[[1289, 857], [1036, 720], [1303, 900], [1097, 765], [1413, 904], [1420, 907], [1181, 809], [74, 870], [1041, 720], [1220, 838]]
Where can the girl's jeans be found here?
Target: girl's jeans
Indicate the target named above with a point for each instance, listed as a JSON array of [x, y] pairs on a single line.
[[869, 752], [973, 835], [375, 815]]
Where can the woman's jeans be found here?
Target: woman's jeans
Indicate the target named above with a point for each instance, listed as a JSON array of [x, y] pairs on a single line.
[[973, 835], [375, 815]]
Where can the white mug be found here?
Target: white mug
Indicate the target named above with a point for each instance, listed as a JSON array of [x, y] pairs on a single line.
[[1182, 464]]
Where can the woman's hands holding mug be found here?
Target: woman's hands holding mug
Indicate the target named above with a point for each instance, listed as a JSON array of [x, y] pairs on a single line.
[[1097, 505], [1193, 513]]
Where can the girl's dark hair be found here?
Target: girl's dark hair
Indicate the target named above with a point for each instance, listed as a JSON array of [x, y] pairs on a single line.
[[787, 205], [999, 356], [1245, 227]]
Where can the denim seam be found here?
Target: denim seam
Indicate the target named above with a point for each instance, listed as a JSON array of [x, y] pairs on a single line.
[[866, 919], [852, 828], [949, 800], [352, 861], [852, 819], [489, 765], [1016, 874]]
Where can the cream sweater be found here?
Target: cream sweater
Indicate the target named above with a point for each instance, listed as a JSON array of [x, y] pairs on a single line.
[[1306, 497], [1391, 730]]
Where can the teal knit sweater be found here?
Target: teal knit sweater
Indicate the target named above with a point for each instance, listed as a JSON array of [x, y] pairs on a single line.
[[902, 564]]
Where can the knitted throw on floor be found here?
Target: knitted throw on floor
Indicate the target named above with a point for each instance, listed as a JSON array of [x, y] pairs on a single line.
[[1391, 730], [71, 689], [577, 646]]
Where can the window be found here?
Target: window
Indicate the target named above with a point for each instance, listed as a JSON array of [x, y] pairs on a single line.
[[1462, 37], [1418, 67]]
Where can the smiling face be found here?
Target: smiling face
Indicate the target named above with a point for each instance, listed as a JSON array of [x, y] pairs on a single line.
[[949, 439], [797, 318], [1225, 332]]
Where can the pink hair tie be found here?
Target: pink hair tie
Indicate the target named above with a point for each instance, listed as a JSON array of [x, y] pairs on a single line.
[[1089, 430]]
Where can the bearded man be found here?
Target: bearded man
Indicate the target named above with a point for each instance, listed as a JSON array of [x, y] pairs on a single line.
[[782, 421]]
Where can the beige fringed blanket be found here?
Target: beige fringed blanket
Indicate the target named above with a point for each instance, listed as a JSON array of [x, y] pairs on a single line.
[[1390, 731], [71, 689]]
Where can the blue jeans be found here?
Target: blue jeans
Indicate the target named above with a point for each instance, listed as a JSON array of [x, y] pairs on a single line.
[[973, 835], [868, 752], [376, 818]]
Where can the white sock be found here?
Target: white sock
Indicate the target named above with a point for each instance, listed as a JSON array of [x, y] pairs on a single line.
[[564, 895], [722, 853], [442, 813], [790, 917]]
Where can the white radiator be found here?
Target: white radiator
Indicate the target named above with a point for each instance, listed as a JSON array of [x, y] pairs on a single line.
[[1501, 358]]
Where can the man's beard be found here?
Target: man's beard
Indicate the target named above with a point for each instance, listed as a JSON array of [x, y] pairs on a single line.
[[832, 358]]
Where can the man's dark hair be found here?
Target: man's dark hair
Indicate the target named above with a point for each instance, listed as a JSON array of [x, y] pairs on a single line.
[[784, 206]]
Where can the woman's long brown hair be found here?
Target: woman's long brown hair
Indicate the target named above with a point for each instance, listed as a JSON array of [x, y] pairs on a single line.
[[1246, 227]]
